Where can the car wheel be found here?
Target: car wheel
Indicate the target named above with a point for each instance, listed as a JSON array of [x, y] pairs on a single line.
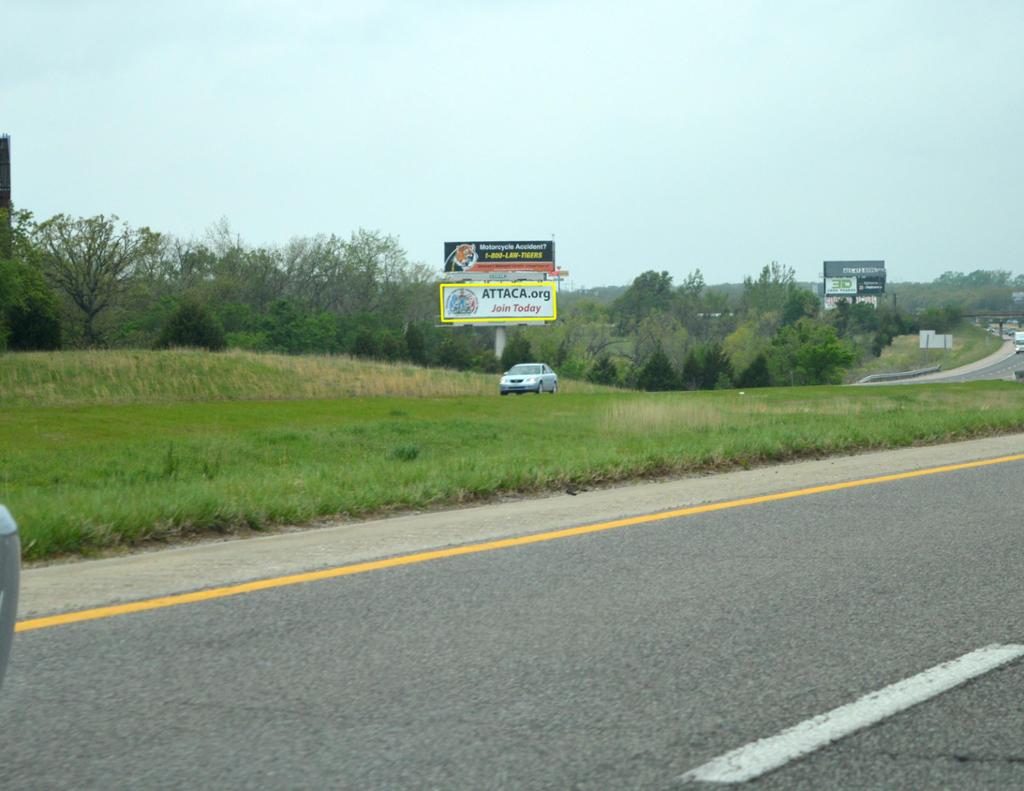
[[554, 388]]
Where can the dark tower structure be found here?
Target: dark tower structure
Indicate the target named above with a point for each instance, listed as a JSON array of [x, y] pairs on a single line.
[[5, 173], [5, 195]]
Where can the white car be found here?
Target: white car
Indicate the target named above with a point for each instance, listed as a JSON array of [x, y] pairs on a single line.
[[10, 564], [529, 378]]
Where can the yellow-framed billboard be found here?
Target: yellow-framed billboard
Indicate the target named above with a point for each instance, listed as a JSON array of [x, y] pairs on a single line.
[[507, 302]]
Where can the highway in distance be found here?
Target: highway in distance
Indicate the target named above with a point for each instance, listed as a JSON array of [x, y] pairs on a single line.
[[624, 658], [1002, 367]]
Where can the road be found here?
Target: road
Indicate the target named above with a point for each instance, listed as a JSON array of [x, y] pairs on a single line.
[[1001, 365], [1000, 369], [619, 658]]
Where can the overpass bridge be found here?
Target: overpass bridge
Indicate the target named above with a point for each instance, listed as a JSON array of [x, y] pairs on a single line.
[[999, 317]]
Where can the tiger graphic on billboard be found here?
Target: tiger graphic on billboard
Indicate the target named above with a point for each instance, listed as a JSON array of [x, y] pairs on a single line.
[[461, 259]]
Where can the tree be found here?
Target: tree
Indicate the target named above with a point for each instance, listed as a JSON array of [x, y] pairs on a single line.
[[284, 326], [453, 352], [650, 291], [717, 372], [29, 309], [661, 331], [91, 261], [367, 343], [191, 325], [800, 303], [696, 311], [415, 344], [517, 350], [692, 375], [603, 372], [771, 289], [745, 343], [32, 314], [942, 319], [756, 374], [808, 353], [824, 361], [658, 373]]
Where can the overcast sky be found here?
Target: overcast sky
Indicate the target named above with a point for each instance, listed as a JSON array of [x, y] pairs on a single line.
[[642, 134]]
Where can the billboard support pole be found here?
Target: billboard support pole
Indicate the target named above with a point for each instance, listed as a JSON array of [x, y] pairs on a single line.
[[499, 341]]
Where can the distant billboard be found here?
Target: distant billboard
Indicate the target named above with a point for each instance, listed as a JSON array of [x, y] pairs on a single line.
[[868, 278], [511, 302], [536, 256]]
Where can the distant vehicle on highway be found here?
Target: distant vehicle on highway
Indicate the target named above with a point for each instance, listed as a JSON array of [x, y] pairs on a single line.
[[10, 568], [1018, 342], [529, 378]]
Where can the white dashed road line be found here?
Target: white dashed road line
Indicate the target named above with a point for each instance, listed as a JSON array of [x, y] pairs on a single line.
[[764, 755]]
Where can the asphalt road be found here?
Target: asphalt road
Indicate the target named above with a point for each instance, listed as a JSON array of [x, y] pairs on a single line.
[[620, 659], [1000, 369]]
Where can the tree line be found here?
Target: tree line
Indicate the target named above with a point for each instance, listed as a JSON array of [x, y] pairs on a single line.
[[97, 282]]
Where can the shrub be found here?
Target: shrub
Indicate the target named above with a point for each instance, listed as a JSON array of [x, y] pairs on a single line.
[[192, 325], [405, 452]]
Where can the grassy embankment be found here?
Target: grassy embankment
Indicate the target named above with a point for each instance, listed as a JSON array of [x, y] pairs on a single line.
[[133, 377], [970, 343], [81, 474]]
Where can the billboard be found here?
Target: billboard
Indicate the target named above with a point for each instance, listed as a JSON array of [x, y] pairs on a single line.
[[868, 276], [538, 256], [510, 302]]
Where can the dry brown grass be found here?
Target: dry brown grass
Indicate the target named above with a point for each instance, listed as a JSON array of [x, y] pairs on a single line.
[[736, 408], [123, 377]]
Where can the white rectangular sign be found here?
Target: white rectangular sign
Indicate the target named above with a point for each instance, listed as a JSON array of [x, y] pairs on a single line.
[[511, 302], [928, 339], [840, 285]]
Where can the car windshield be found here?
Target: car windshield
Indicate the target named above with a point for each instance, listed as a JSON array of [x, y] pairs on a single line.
[[524, 369]]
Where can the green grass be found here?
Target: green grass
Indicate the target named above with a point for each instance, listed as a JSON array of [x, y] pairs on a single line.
[[970, 343], [90, 477]]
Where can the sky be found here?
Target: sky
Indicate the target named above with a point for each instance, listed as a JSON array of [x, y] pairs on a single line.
[[648, 134]]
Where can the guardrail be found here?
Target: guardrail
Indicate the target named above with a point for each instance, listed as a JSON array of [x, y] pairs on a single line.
[[899, 375]]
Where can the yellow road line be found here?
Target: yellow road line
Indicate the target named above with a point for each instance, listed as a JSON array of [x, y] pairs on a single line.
[[470, 549]]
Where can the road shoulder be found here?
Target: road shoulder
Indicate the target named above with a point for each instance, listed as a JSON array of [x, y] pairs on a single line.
[[74, 586]]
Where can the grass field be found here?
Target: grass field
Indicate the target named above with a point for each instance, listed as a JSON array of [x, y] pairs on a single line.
[[970, 343], [93, 476]]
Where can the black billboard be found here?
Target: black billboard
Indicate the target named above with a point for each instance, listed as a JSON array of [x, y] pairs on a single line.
[[870, 275], [536, 256], [871, 269]]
